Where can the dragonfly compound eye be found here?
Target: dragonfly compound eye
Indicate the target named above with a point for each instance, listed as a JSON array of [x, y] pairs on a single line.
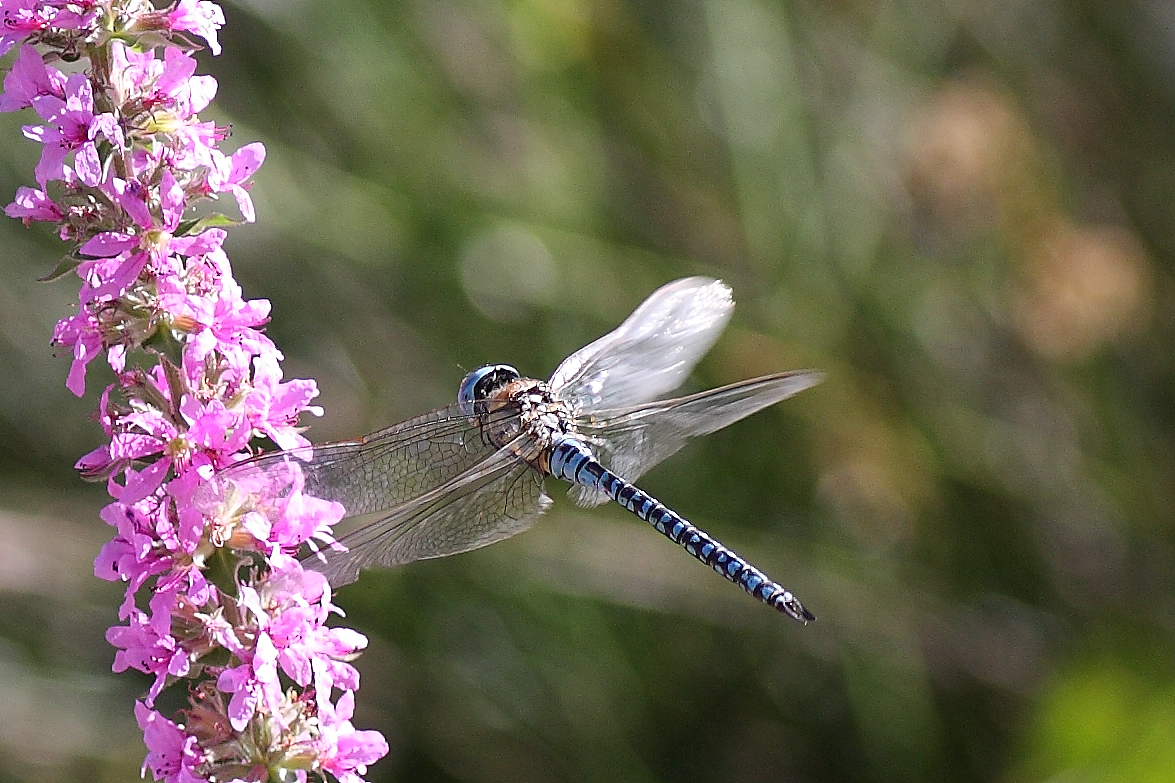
[[482, 383]]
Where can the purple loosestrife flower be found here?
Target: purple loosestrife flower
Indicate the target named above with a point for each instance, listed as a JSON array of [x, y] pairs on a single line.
[[28, 80], [216, 601], [72, 127], [22, 19], [172, 753], [201, 17], [31, 204]]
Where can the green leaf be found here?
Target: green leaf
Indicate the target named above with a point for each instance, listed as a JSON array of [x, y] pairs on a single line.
[[199, 225], [66, 265]]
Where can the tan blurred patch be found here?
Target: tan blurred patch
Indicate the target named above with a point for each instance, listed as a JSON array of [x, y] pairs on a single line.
[[1084, 286], [47, 555], [877, 478], [973, 154], [963, 143]]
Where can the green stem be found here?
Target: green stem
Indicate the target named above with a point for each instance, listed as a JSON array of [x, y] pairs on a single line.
[[99, 55]]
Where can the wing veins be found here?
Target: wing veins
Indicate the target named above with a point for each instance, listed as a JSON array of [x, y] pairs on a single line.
[[501, 461]]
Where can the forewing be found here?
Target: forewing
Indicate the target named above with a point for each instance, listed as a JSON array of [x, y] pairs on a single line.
[[498, 498], [380, 471], [631, 441], [652, 352]]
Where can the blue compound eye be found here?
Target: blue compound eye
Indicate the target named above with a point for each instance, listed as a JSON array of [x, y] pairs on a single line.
[[481, 384]]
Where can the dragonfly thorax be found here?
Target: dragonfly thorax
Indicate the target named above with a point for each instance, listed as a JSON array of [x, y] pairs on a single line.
[[525, 406]]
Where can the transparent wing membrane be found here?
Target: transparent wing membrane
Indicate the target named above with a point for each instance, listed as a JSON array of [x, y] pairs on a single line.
[[437, 483], [652, 352], [632, 440], [379, 471], [499, 498]]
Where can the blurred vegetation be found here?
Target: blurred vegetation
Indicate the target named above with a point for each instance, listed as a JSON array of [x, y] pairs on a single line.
[[961, 211]]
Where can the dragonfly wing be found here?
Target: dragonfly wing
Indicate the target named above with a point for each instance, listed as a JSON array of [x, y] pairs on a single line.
[[652, 352], [380, 471], [632, 440], [498, 498]]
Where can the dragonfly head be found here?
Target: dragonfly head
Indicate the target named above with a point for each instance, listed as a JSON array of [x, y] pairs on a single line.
[[483, 383]]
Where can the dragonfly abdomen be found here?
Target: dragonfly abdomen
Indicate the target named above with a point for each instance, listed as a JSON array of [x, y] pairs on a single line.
[[572, 461]]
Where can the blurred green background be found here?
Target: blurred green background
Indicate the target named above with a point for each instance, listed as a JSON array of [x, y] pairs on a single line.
[[960, 210]]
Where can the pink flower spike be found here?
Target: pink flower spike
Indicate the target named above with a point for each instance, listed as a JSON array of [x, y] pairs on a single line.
[[213, 592]]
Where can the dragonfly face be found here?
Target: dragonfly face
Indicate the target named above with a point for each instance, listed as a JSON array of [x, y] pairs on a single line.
[[467, 475], [480, 385]]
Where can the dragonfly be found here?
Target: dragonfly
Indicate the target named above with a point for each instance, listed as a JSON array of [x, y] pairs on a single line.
[[472, 473]]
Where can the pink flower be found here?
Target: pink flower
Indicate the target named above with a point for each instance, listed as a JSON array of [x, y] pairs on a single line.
[[22, 18], [146, 644], [274, 406], [133, 251], [142, 547], [144, 431], [172, 755], [31, 204], [161, 98], [231, 175], [82, 333], [190, 524], [301, 519], [72, 127], [144, 83], [73, 15], [200, 17], [28, 79], [294, 606], [209, 303], [342, 750], [270, 506], [253, 684]]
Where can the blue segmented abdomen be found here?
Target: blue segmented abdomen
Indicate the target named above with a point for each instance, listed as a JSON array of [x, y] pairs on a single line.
[[572, 461]]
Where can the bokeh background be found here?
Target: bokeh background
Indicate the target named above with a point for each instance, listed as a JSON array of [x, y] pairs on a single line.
[[962, 211]]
